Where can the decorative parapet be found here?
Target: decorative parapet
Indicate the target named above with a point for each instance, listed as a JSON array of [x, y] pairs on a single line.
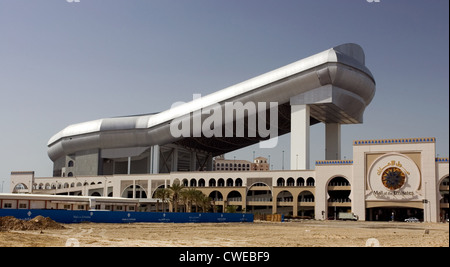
[[334, 162], [395, 141], [442, 160]]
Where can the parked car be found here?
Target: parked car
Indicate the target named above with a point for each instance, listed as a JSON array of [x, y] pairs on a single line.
[[412, 219]]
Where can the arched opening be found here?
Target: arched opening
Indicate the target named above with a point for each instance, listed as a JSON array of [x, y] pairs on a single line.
[[306, 205], [290, 181], [216, 196], [230, 182], [285, 196], [139, 192], [154, 191], [20, 188], [300, 181], [259, 199], [234, 201], [444, 202], [285, 203], [238, 182], [310, 182], [201, 182], [193, 183], [221, 182], [306, 196], [280, 181], [212, 182], [339, 190], [234, 196], [217, 201]]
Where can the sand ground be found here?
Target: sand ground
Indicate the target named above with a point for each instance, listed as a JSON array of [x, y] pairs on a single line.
[[258, 234]]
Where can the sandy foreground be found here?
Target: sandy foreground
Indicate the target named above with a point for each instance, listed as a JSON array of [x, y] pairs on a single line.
[[258, 234]]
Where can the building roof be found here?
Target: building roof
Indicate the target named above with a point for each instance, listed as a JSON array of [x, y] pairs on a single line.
[[335, 83]]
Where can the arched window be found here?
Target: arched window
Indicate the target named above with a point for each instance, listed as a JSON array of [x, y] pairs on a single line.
[[300, 181], [290, 181], [70, 163]]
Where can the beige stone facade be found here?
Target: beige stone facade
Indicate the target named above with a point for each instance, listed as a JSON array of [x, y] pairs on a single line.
[[390, 179]]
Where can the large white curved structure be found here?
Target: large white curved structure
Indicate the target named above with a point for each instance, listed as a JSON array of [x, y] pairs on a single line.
[[335, 86]]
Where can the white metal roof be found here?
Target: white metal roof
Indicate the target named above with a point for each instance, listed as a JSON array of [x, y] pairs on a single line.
[[342, 67]]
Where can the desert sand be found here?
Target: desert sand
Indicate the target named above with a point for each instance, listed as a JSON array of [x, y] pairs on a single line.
[[257, 234]]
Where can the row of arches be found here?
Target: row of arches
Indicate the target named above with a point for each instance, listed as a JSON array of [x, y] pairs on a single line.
[[283, 196], [221, 182], [49, 186], [296, 182], [238, 182]]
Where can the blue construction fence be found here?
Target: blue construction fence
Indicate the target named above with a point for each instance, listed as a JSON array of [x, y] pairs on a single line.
[[69, 216]]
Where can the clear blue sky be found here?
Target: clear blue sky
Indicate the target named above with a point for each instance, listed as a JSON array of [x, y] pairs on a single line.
[[63, 63]]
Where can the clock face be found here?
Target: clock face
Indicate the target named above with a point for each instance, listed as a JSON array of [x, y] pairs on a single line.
[[393, 178]]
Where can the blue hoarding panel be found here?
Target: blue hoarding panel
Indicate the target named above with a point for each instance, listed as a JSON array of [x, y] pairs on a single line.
[[67, 216]]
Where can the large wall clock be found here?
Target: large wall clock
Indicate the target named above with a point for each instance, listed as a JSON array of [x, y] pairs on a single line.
[[393, 178]]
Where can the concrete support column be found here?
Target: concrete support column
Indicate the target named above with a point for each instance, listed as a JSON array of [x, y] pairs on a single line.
[[134, 188], [149, 188], [300, 116], [129, 166], [332, 141], [155, 159], [295, 205]]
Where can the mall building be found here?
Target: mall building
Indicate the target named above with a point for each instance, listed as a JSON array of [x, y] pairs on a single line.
[[400, 176], [133, 156]]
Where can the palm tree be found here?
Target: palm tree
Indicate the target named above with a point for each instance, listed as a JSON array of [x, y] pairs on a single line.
[[163, 194], [197, 198], [193, 197], [175, 195], [205, 202], [184, 197], [231, 209]]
